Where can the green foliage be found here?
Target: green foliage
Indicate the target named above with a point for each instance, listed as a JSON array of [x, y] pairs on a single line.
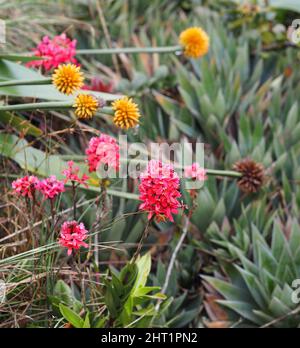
[[260, 282], [130, 302], [241, 100]]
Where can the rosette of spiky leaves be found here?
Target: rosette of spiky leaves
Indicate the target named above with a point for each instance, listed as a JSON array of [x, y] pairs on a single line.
[[259, 287]]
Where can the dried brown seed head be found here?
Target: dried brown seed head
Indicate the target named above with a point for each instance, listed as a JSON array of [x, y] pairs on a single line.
[[253, 175]]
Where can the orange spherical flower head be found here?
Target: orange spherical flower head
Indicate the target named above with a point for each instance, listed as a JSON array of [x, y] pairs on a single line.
[[85, 106], [67, 78], [195, 42], [127, 113]]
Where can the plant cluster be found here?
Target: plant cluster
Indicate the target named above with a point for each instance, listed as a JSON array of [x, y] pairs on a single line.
[[87, 250]]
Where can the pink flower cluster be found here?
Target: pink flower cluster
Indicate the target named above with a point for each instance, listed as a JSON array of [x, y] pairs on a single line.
[[159, 191], [195, 172], [26, 186], [51, 187], [103, 149], [59, 50], [72, 235], [71, 173]]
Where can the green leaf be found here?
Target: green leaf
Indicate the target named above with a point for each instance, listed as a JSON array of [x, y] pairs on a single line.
[[254, 288], [278, 308], [292, 116], [278, 241], [86, 324], [100, 322], [142, 291], [244, 309], [183, 318], [169, 105], [144, 267], [294, 241], [229, 291], [63, 292], [71, 316], [20, 124]]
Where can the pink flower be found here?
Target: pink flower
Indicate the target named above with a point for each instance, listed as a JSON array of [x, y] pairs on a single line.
[[71, 173], [159, 190], [195, 172], [72, 235], [99, 86], [56, 51], [26, 186], [51, 187], [103, 149]]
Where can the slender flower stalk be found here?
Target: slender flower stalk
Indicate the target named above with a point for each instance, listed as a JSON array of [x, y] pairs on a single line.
[[144, 236], [186, 224], [209, 172], [226, 173], [57, 105], [26, 82], [102, 211], [116, 50], [52, 209], [74, 199], [71, 174]]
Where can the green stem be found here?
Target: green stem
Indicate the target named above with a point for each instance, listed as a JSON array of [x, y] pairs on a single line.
[[209, 172], [40, 106], [143, 237], [48, 106], [106, 110], [151, 50], [212, 172], [74, 199], [25, 82], [229, 173]]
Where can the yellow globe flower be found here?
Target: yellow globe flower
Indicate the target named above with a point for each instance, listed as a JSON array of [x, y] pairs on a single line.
[[127, 113], [195, 42], [67, 78], [85, 106]]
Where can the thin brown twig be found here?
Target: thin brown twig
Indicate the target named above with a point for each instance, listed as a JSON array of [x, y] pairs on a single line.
[[107, 35], [139, 247], [277, 320]]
